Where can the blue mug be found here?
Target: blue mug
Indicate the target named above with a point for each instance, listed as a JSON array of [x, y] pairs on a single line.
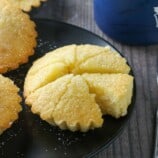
[[133, 22]]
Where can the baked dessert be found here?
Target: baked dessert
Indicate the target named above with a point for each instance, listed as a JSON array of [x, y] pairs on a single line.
[[67, 103], [73, 59], [9, 103], [113, 92], [17, 37], [25, 5], [74, 86]]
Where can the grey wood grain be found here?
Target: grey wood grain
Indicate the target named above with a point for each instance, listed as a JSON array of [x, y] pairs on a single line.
[[137, 140]]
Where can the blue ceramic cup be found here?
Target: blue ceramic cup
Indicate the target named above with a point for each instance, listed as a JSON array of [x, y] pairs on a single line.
[[133, 22]]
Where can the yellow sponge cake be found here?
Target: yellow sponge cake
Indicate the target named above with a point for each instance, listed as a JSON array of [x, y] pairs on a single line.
[[9, 103], [67, 103], [73, 86], [113, 92]]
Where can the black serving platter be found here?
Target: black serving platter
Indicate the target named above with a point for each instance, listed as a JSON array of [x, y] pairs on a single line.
[[30, 137]]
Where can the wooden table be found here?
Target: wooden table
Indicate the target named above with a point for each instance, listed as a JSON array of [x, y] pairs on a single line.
[[137, 140]]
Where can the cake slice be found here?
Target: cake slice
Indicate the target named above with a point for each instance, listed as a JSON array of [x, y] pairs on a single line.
[[77, 109], [44, 100], [43, 77], [105, 62], [113, 92], [65, 55]]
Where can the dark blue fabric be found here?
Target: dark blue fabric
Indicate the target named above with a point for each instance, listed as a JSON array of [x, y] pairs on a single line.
[[128, 21]]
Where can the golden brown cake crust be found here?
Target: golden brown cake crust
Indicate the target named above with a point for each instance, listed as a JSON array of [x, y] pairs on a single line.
[[77, 109], [99, 85], [17, 37], [9, 103], [113, 92]]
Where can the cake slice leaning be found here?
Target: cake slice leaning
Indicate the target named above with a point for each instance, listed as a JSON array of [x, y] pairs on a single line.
[[113, 92], [105, 62]]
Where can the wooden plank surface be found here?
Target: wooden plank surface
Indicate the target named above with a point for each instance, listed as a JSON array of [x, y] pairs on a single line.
[[137, 140]]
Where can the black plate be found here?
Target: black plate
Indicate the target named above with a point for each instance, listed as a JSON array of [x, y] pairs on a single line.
[[30, 137]]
